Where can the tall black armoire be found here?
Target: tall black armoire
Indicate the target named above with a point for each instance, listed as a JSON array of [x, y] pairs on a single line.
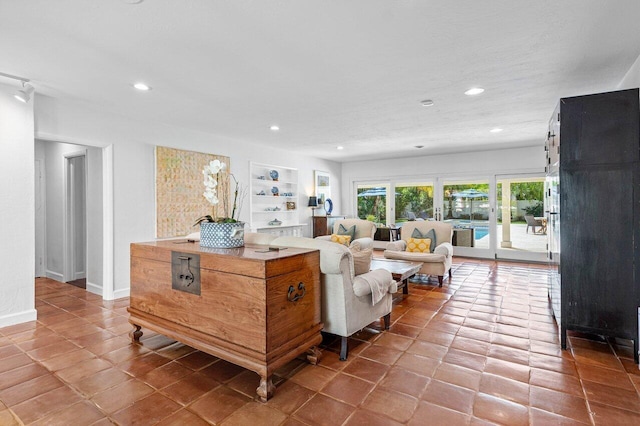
[[599, 190]]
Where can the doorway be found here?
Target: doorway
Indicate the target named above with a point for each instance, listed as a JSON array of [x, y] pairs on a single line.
[[75, 213]]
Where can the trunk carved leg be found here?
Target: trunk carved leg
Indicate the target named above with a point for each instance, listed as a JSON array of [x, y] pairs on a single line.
[[313, 355], [266, 388], [135, 334]]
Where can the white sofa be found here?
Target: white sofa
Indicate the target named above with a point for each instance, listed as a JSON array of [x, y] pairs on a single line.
[[365, 230], [347, 299], [437, 263]]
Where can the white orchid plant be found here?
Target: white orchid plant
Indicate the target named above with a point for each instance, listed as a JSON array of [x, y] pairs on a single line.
[[213, 172]]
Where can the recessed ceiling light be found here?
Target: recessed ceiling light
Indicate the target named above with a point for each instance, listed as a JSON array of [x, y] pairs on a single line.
[[340, 147], [142, 86], [419, 146], [274, 128], [474, 91], [427, 103], [496, 130], [133, 1]]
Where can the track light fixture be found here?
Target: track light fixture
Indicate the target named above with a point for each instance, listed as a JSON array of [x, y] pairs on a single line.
[[24, 94]]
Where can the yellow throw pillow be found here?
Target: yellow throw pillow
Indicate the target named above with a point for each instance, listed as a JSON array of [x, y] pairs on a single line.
[[419, 245], [341, 239]]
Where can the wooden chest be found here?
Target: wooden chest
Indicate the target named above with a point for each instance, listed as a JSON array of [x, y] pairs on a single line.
[[255, 308]]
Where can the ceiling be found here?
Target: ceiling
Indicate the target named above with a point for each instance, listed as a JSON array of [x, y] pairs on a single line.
[[328, 73]]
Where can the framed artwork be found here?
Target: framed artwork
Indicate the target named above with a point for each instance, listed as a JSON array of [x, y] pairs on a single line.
[[179, 188], [323, 186]]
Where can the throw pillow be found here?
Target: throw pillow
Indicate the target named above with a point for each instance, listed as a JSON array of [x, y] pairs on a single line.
[[361, 260], [419, 245], [342, 230], [430, 234], [341, 239]]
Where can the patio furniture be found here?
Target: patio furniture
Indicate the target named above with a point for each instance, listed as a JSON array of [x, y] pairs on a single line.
[[532, 222], [437, 262], [463, 237]]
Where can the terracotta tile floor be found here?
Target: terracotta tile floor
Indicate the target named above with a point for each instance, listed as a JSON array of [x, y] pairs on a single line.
[[481, 350]]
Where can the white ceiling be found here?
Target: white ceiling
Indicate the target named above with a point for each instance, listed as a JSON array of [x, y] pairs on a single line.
[[329, 73]]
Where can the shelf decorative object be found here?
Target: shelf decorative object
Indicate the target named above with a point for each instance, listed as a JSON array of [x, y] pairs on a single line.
[[274, 175], [328, 206]]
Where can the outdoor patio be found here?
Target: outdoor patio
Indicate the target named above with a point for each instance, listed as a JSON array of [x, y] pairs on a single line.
[[520, 239]]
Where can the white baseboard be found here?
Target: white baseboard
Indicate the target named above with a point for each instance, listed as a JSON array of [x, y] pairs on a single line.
[[54, 276], [94, 288], [118, 294], [18, 318]]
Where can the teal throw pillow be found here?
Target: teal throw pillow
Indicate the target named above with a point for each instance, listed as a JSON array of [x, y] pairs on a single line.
[[344, 231], [431, 234]]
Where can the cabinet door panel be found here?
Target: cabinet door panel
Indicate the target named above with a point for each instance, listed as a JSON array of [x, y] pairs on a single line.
[[597, 249], [591, 124]]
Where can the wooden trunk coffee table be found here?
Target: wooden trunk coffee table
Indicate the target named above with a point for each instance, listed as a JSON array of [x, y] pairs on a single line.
[[401, 270], [250, 306]]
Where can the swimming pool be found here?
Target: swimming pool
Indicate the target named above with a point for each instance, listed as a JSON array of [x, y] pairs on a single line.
[[480, 232]]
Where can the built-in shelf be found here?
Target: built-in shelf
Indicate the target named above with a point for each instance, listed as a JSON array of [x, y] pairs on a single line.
[[270, 187]]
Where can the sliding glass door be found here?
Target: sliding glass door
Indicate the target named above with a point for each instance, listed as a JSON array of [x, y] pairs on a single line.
[[373, 202], [465, 205], [521, 225], [492, 217]]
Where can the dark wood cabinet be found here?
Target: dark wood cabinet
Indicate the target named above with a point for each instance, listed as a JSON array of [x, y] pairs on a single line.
[[599, 214], [319, 226], [322, 225]]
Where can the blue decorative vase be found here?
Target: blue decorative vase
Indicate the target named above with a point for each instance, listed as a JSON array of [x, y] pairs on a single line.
[[328, 206], [222, 235], [274, 174]]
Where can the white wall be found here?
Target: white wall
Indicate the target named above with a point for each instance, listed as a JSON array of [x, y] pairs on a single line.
[[631, 79], [465, 165], [17, 226], [133, 167], [94, 220]]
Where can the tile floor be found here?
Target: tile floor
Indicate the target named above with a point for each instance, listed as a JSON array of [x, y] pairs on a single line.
[[482, 350]]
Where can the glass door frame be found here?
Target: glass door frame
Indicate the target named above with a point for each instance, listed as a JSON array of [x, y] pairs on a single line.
[[483, 253], [517, 255]]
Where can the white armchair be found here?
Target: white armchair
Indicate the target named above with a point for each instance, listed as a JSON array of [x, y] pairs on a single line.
[[349, 302], [364, 231], [436, 263]]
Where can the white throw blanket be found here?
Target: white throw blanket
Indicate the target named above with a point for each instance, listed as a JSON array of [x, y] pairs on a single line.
[[376, 282]]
